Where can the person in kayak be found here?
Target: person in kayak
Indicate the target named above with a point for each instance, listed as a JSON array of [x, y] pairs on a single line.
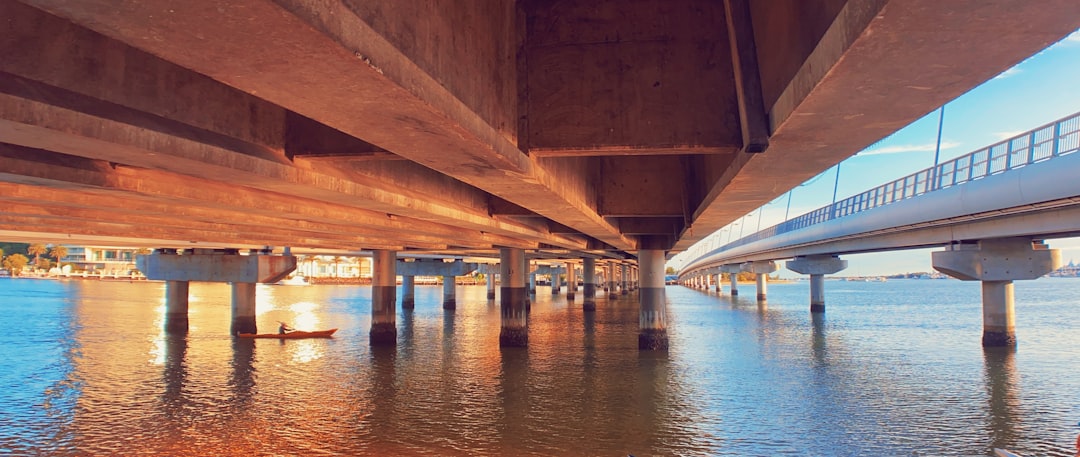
[[284, 328]]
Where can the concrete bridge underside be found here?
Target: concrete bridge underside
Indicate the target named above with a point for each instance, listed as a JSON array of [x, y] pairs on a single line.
[[571, 127]]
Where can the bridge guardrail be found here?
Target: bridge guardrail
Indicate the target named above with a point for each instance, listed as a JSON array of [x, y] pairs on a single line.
[[1058, 138]]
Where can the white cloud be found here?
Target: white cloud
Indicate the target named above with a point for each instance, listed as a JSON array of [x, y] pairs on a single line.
[[902, 148], [1007, 134], [1073, 37], [1007, 73]]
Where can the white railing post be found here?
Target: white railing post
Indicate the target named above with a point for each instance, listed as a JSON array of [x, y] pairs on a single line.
[[1057, 139]]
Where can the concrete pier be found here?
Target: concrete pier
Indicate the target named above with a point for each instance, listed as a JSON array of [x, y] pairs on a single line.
[[609, 275], [817, 267], [449, 271], [243, 308], [214, 265], [383, 299], [588, 272], [623, 270], [449, 290], [514, 317], [176, 307], [571, 282], [733, 277], [997, 263], [762, 270], [489, 278], [652, 334], [999, 314], [408, 292], [556, 283]]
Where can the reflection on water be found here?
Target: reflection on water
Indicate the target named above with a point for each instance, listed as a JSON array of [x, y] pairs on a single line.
[[1001, 380], [892, 369]]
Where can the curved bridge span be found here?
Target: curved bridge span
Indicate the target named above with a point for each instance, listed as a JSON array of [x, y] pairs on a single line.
[[990, 209]]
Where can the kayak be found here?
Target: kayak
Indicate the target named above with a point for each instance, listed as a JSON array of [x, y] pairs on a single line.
[[1004, 453], [291, 335]]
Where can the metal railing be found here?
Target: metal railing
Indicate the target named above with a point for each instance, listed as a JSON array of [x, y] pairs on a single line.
[[1058, 138]]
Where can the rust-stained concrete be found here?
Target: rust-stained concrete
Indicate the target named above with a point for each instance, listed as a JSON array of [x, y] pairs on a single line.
[[567, 128]]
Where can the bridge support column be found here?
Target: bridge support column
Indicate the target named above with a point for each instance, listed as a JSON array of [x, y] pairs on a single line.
[[383, 299], [653, 302], [243, 308], [999, 314], [176, 307], [762, 270], [449, 291], [817, 267], [623, 270], [408, 292], [588, 270], [997, 263], [717, 278], [515, 325], [489, 277], [733, 277], [571, 282], [556, 285], [609, 277]]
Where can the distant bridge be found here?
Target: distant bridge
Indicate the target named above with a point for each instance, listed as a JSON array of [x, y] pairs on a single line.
[[991, 208]]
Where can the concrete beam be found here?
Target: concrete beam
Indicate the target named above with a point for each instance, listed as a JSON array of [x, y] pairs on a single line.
[[233, 268], [817, 265], [32, 123], [93, 183], [450, 128], [760, 267], [1003, 259], [427, 267]]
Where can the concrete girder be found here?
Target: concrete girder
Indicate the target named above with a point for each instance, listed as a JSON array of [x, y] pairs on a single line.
[[442, 132], [171, 195], [548, 270], [817, 265], [216, 267], [1002, 259], [69, 57], [424, 267], [760, 267], [223, 230], [33, 124]]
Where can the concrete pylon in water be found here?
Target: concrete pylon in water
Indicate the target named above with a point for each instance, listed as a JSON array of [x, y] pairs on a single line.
[[817, 267], [997, 263]]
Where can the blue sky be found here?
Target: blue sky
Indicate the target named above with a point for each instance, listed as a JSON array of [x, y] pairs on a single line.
[[1038, 91]]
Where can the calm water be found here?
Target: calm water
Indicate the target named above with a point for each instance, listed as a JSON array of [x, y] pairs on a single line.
[[893, 369]]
